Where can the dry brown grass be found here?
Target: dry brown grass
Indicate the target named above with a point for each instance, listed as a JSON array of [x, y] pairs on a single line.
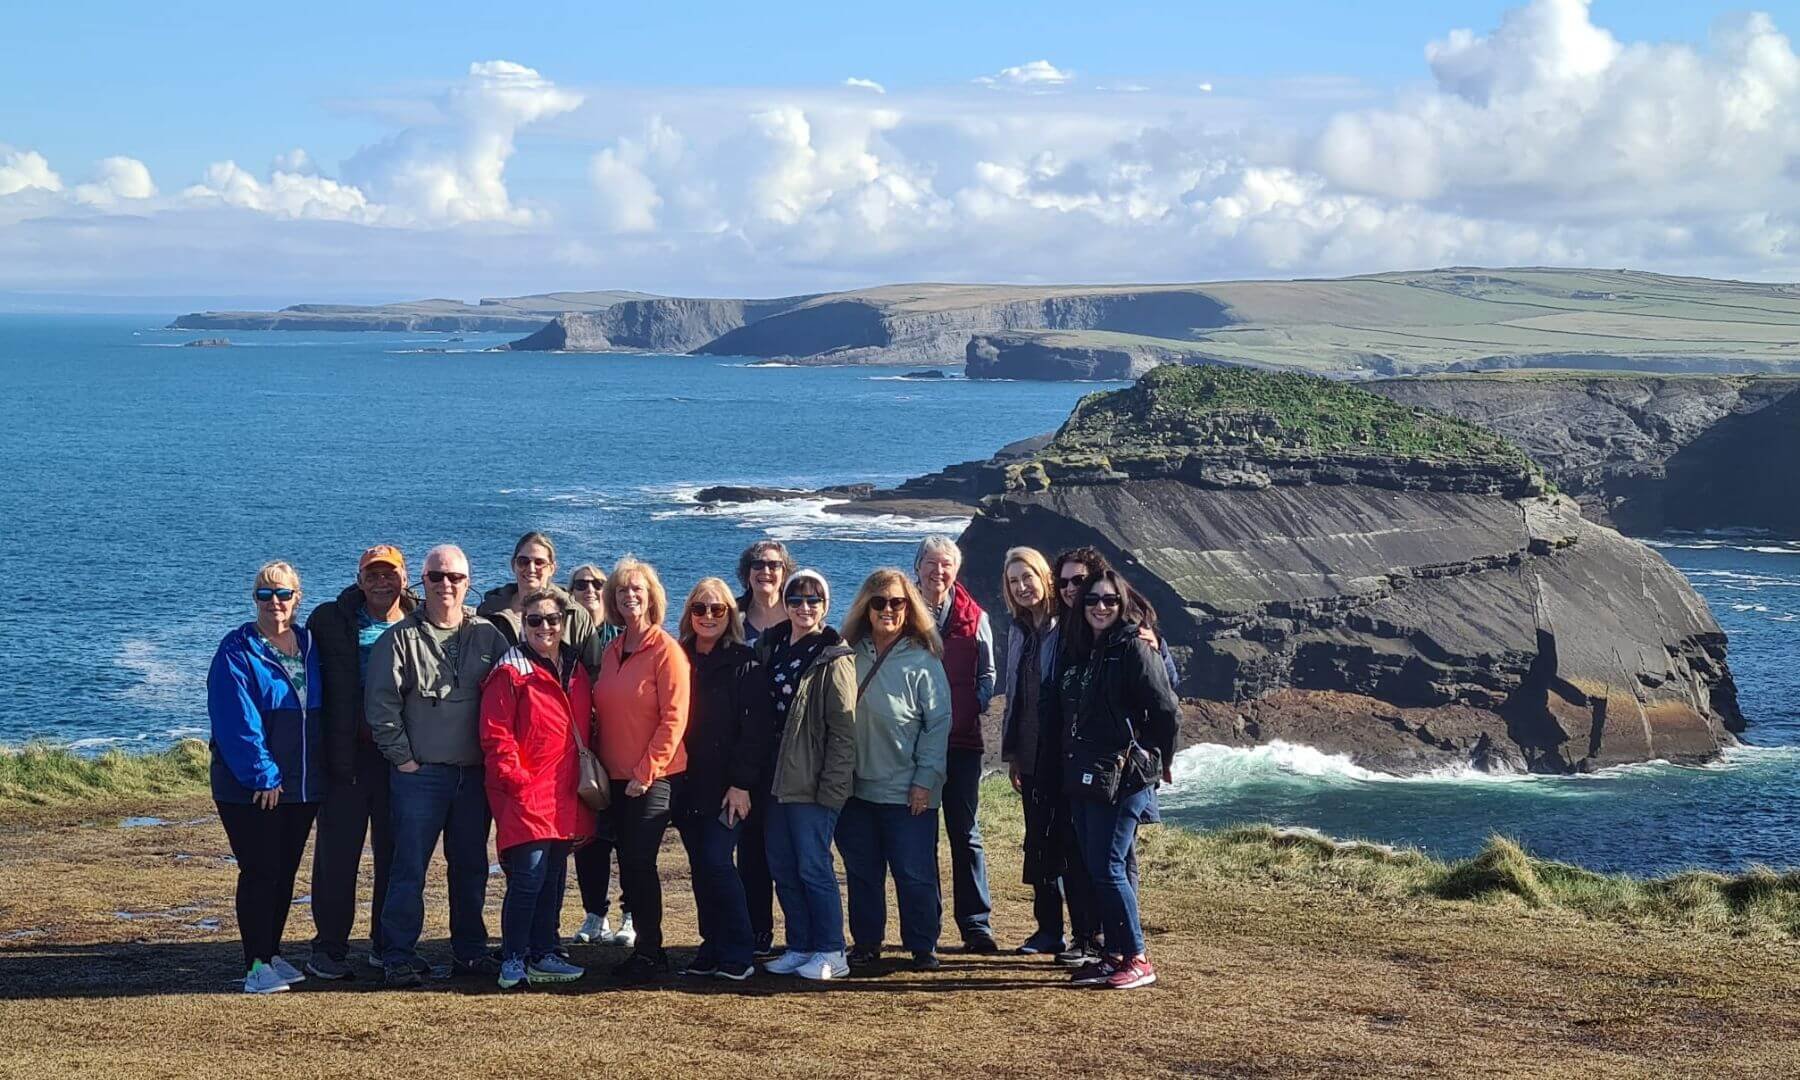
[[1265, 974]]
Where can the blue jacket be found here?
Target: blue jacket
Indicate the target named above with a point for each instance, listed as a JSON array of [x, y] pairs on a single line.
[[262, 733]]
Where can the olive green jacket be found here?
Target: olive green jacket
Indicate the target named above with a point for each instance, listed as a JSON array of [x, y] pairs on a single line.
[[817, 759]]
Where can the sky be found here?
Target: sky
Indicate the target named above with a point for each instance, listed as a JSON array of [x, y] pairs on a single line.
[[384, 151]]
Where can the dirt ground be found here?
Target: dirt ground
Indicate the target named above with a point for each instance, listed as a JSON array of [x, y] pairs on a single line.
[[118, 957]]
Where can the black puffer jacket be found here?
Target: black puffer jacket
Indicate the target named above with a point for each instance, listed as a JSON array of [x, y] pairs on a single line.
[[1119, 692], [731, 721], [333, 627]]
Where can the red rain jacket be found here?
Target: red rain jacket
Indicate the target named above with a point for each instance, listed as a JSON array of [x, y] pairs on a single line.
[[529, 723]]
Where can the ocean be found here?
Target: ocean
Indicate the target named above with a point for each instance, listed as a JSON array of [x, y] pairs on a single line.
[[142, 483]]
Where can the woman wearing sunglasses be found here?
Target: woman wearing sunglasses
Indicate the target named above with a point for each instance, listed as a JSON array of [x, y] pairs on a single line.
[[903, 725], [641, 699], [729, 717], [268, 765], [1118, 718], [812, 682], [535, 706], [763, 569], [534, 571]]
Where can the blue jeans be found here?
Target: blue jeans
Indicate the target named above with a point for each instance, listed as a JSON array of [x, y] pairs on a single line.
[[437, 800], [968, 862], [1107, 833], [531, 914], [806, 883], [874, 838], [719, 906]]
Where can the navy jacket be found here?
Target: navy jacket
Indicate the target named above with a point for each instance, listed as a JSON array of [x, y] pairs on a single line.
[[263, 735]]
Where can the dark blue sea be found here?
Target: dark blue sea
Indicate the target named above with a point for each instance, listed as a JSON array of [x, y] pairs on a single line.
[[142, 483]]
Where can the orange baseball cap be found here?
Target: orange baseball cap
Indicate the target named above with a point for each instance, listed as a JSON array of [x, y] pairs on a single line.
[[382, 553]]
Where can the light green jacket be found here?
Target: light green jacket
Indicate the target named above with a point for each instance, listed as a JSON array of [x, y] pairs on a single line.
[[902, 724]]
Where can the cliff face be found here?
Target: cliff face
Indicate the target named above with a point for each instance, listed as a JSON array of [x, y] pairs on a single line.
[[662, 324], [1414, 599], [1644, 453], [516, 313], [1045, 356]]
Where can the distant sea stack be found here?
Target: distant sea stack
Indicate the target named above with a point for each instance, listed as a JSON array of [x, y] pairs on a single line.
[[1336, 569]]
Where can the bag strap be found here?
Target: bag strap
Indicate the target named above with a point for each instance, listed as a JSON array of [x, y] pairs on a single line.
[[880, 658]]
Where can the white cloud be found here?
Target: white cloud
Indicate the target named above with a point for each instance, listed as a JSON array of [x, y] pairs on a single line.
[[1037, 73], [283, 194], [865, 84], [22, 169], [116, 178]]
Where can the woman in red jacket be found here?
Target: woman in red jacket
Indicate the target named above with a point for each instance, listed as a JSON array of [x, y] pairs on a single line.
[[535, 707]]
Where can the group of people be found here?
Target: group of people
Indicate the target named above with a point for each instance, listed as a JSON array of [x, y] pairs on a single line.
[[572, 725]]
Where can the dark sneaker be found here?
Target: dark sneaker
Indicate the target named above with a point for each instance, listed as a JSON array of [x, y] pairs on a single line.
[[734, 973], [861, 957], [981, 944], [486, 966], [765, 948], [1093, 973], [1078, 954], [320, 966], [701, 967], [926, 962], [1037, 944], [1132, 974], [640, 968], [400, 977]]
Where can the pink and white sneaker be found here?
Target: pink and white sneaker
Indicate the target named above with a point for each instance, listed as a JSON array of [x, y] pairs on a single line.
[[1132, 974]]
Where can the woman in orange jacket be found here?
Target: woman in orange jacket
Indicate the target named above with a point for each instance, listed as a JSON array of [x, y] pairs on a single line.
[[641, 711]]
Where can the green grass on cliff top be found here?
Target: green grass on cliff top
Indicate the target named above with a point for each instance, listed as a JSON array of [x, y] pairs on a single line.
[[1175, 407]]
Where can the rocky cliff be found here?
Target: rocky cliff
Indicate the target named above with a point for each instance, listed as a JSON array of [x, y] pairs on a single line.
[[661, 324], [516, 313], [1053, 356], [1366, 577]]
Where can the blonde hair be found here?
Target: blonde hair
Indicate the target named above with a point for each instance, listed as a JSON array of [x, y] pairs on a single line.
[[589, 568], [277, 569], [734, 622], [917, 625], [1035, 562], [609, 593]]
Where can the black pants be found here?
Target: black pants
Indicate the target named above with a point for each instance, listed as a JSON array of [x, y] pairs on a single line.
[[1046, 860], [350, 813], [753, 867], [268, 845], [638, 828], [593, 871]]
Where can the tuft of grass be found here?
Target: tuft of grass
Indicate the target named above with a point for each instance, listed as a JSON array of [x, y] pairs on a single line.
[[35, 775]]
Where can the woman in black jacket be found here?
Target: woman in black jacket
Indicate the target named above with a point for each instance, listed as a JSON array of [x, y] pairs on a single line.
[[1118, 718], [727, 741]]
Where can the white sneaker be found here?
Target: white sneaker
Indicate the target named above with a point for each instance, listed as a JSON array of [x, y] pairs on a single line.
[[822, 966], [287, 972], [594, 928], [262, 979], [627, 935], [787, 963]]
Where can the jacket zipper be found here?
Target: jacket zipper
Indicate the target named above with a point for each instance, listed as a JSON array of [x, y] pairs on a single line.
[[305, 654]]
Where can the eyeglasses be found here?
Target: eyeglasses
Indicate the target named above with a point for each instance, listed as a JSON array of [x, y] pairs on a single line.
[[1074, 581], [438, 577], [897, 604], [1100, 600], [586, 584], [804, 601], [767, 564], [535, 620], [701, 610], [265, 594], [523, 561]]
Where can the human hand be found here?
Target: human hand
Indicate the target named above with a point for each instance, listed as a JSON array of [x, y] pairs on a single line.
[[269, 799], [918, 799], [1145, 635], [737, 800], [410, 766], [1012, 773], [633, 789]]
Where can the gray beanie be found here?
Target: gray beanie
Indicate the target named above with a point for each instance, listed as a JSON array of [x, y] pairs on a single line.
[[809, 574]]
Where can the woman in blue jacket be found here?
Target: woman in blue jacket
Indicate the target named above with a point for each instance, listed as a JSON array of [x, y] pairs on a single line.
[[268, 767]]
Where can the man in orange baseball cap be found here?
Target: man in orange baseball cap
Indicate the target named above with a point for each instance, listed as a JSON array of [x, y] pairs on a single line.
[[343, 631]]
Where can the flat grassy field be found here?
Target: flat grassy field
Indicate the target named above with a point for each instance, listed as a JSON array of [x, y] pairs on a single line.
[[1280, 956]]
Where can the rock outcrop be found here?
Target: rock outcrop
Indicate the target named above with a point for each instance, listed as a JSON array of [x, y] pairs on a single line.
[[662, 324], [516, 313], [1052, 356], [1373, 578]]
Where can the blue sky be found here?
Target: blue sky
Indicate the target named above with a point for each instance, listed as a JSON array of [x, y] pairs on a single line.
[[715, 146]]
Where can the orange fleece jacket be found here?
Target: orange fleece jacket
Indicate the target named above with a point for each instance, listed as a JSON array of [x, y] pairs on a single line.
[[641, 708]]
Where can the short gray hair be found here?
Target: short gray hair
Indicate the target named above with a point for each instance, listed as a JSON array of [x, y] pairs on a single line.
[[447, 553], [936, 544]]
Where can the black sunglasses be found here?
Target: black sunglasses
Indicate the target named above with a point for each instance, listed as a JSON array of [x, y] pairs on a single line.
[[701, 609], [1101, 600], [527, 560], [884, 603], [535, 620], [767, 564], [437, 577], [586, 584], [804, 601], [1075, 581], [266, 594]]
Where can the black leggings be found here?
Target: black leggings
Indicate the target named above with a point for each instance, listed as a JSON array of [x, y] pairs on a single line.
[[268, 845], [638, 827]]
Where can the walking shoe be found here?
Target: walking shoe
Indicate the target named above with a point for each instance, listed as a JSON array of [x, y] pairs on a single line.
[[765, 949], [861, 957], [401, 977], [1042, 943], [512, 972], [822, 966], [1132, 974], [1078, 953], [1093, 973], [595, 929], [640, 968], [701, 966], [321, 966], [627, 935], [980, 942], [553, 969], [373, 959], [486, 966], [261, 979], [926, 961], [734, 972], [787, 963], [288, 972]]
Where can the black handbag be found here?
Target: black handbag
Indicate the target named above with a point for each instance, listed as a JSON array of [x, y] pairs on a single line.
[[1093, 770]]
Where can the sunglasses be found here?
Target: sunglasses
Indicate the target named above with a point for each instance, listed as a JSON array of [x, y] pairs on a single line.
[[804, 601], [1074, 581], [526, 560], [767, 564], [1100, 600], [701, 610], [438, 577], [266, 594], [887, 603], [587, 584], [535, 620]]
